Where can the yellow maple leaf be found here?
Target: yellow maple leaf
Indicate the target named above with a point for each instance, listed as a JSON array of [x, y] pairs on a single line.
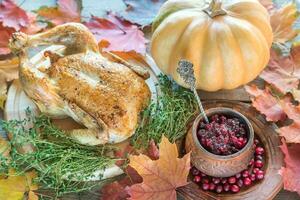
[[8, 72], [15, 186], [160, 177], [282, 21]]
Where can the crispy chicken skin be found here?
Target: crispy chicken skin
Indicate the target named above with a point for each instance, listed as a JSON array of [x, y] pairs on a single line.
[[106, 97]]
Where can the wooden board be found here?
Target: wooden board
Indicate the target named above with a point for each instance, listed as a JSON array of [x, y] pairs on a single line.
[[272, 183]]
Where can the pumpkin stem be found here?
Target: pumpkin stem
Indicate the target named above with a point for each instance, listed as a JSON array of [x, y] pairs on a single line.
[[215, 9]]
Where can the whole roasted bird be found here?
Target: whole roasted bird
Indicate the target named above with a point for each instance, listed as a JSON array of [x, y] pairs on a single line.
[[104, 96]]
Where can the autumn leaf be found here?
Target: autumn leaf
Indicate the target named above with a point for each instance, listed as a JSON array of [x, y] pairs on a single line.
[[114, 34], [13, 16], [268, 4], [8, 72], [141, 12], [5, 34], [160, 177], [282, 72], [15, 186], [4, 148], [266, 103], [153, 151], [66, 11], [282, 21], [290, 173]]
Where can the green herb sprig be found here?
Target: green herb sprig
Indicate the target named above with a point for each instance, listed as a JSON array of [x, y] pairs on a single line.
[[62, 165], [169, 115]]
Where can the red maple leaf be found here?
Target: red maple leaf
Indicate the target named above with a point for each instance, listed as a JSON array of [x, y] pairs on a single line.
[[5, 34], [13, 16], [266, 103], [282, 72], [290, 173], [66, 11], [117, 35]]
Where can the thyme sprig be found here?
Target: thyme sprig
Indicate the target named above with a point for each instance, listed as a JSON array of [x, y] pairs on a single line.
[[169, 115], [62, 164]]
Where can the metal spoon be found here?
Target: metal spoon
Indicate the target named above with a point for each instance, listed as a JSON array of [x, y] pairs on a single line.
[[186, 71]]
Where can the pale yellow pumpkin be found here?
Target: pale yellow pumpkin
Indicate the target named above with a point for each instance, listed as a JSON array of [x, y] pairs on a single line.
[[227, 41]]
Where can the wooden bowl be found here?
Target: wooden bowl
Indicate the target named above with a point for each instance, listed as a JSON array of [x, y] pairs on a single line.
[[219, 165]]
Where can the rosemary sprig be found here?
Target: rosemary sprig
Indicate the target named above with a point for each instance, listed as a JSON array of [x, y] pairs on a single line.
[[62, 165], [168, 115]]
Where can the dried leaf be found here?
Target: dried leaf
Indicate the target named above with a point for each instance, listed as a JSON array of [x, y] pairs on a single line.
[[4, 147], [282, 72], [153, 151], [290, 173], [15, 186], [160, 177], [115, 34], [13, 16], [8, 72], [291, 133], [266, 103], [66, 11], [141, 12], [5, 34], [268, 4], [282, 21]]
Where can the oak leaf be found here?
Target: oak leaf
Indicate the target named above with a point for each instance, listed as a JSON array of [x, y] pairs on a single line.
[[141, 12], [282, 21], [66, 11], [8, 72], [266, 103], [160, 177], [13, 16], [290, 173], [282, 72], [15, 186], [117, 35]]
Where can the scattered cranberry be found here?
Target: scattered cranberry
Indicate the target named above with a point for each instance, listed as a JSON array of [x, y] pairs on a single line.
[[240, 183], [252, 177], [195, 171], [238, 175], [255, 170], [223, 135], [260, 175], [223, 180], [202, 174], [197, 179], [212, 186], [205, 180], [219, 189], [258, 164], [232, 180], [216, 180], [226, 187], [251, 162], [234, 188], [245, 173], [256, 141], [247, 181], [258, 157], [205, 186], [259, 151]]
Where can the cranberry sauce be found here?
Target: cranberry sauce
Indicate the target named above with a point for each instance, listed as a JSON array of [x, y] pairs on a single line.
[[223, 135]]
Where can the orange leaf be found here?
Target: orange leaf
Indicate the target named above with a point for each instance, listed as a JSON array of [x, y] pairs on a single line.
[[291, 133], [160, 177], [290, 173], [282, 21], [266, 103], [66, 11]]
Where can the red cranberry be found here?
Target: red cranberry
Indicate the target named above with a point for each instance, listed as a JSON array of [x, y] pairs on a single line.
[[205, 186], [212, 186], [245, 173], [255, 170], [259, 151], [195, 171], [252, 177], [238, 175], [197, 179], [226, 187], [251, 162], [240, 183], [216, 180], [202, 174], [258, 163], [223, 180], [256, 141], [232, 180], [234, 188], [205, 180], [258, 157], [260, 175], [247, 181], [219, 189]]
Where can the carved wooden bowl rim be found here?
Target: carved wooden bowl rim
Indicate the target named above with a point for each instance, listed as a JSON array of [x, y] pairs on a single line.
[[230, 112]]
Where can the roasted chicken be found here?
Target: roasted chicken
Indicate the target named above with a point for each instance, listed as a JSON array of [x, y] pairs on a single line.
[[104, 96]]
